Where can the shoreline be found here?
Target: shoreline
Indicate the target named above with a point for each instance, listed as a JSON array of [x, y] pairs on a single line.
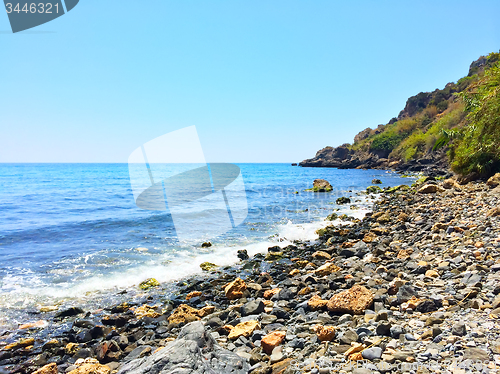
[[408, 274]]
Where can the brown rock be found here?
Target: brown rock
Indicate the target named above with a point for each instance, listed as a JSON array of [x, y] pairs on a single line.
[[432, 274], [47, 369], [494, 180], [316, 303], [146, 311], [304, 291], [324, 333], [190, 295], [370, 237], [404, 253], [384, 218], [450, 183], [321, 255], [20, 344], [294, 272], [272, 340], [355, 300], [203, 312], [270, 293], [243, 329], [184, 314], [326, 269], [235, 289], [428, 188], [34, 325], [403, 217], [493, 212], [91, 369]]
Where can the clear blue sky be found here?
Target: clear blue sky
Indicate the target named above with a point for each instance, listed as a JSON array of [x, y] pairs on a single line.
[[262, 80]]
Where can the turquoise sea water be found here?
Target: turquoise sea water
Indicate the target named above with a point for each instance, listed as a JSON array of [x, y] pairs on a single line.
[[67, 230]]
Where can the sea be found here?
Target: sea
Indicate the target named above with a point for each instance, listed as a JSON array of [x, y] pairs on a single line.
[[72, 233]]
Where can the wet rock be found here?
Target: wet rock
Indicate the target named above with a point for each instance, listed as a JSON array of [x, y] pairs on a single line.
[[194, 351], [320, 185], [149, 283], [73, 311], [354, 301], [376, 181], [208, 266], [243, 254], [343, 200], [20, 344], [326, 269], [206, 245]]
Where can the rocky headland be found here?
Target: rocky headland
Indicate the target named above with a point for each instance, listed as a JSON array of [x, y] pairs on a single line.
[[413, 287]]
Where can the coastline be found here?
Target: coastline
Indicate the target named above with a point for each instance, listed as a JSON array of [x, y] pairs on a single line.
[[416, 267]]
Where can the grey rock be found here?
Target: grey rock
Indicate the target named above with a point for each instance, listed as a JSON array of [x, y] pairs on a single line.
[[193, 352], [371, 354], [459, 329], [348, 337], [476, 354], [252, 307]]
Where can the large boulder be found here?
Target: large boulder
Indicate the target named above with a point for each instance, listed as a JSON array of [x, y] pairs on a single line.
[[494, 180], [193, 352]]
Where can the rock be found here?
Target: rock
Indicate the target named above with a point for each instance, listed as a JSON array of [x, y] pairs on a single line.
[[148, 283], [371, 354], [343, 200], [376, 181], [321, 255], [235, 289], [190, 295], [324, 333], [494, 180], [183, 314], [47, 369], [373, 189], [208, 266], [93, 368], [459, 329], [206, 245], [428, 188], [252, 307], [243, 255], [320, 185], [206, 311], [270, 293], [316, 303], [243, 329], [272, 340], [194, 351], [493, 212], [476, 354], [432, 274], [450, 183], [348, 337], [354, 301], [20, 344], [146, 311], [326, 269], [273, 256], [34, 325], [73, 311]]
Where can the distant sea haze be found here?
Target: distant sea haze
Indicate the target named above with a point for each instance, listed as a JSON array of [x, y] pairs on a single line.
[[68, 231]]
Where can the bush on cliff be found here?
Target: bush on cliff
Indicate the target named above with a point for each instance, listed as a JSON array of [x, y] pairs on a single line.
[[478, 150]]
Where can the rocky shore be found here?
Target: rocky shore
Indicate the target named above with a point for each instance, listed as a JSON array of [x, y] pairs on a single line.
[[413, 287]]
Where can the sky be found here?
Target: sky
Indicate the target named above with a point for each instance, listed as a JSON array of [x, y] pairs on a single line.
[[262, 81]]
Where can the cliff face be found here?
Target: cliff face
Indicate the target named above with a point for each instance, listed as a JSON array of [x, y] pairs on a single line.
[[418, 139]]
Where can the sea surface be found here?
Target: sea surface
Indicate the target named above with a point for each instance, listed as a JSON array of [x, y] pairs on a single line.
[[71, 231]]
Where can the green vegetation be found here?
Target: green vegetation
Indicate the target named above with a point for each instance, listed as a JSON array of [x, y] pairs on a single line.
[[477, 150], [460, 122]]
